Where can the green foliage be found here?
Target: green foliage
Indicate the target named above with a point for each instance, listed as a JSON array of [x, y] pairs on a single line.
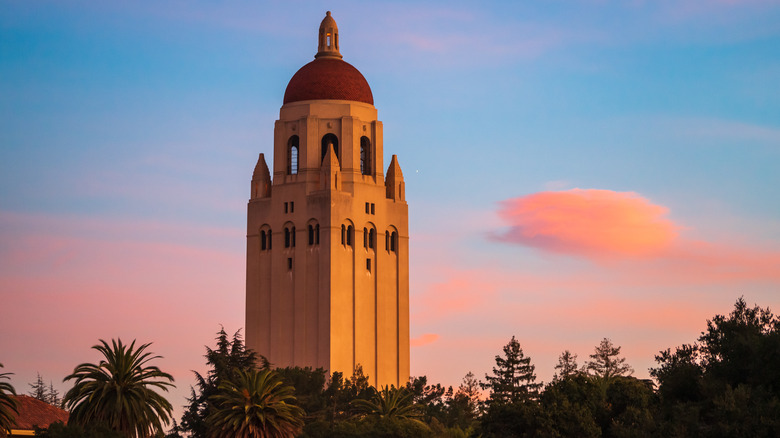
[[567, 366], [381, 427], [8, 405], [118, 392], [606, 362], [60, 430], [513, 378], [522, 418], [389, 402], [431, 399], [225, 362], [726, 384], [463, 407], [255, 404], [40, 391]]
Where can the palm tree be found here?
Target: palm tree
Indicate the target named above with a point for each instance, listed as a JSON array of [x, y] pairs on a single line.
[[118, 392], [390, 402], [7, 404], [255, 405]]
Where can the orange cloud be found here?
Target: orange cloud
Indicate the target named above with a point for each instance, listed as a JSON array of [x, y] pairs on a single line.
[[600, 223], [425, 339]]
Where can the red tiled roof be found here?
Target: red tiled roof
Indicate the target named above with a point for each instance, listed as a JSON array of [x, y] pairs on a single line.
[[330, 79], [33, 412]]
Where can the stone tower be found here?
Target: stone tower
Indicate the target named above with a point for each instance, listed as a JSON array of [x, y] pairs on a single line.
[[327, 278]]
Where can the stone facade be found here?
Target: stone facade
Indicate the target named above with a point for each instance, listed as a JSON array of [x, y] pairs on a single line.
[[327, 240]]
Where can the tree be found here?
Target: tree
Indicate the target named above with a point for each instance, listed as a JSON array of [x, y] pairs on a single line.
[[728, 382], [429, 398], [389, 402], [256, 405], [567, 366], [38, 389], [513, 376], [606, 361], [45, 393], [8, 405], [463, 406], [225, 361], [53, 396], [118, 393]]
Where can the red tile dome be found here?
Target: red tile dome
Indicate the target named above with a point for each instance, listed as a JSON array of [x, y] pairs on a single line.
[[330, 79]]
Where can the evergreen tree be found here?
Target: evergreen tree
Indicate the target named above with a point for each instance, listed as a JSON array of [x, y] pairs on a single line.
[[226, 362], [38, 389], [45, 393], [513, 376], [567, 366], [53, 396], [606, 361]]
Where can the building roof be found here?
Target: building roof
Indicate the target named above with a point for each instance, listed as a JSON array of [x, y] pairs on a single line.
[[33, 412], [328, 78]]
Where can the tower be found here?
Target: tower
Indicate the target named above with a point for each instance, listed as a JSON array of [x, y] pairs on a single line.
[[327, 279]]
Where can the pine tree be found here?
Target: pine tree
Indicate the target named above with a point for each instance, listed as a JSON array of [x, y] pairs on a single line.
[[567, 366], [606, 362], [513, 378], [53, 396], [38, 389]]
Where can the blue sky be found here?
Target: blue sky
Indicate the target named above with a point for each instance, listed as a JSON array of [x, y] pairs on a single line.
[[129, 131]]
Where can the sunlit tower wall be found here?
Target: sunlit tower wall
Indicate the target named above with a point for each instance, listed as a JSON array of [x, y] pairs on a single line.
[[327, 279]]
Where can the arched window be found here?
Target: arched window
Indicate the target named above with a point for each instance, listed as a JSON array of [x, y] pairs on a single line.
[[263, 241], [327, 140], [343, 235], [292, 155], [292, 239], [350, 235], [269, 238], [365, 237], [394, 242], [314, 234], [286, 237], [372, 238], [387, 241], [365, 155]]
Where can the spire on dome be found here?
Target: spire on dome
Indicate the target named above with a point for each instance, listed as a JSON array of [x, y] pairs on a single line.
[[329, 39]]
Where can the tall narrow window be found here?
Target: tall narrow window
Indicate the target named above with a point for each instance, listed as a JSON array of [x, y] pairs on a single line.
[[365, 155], [330, 141], [317, 234], [343, 235], [311, 235], [350, 235], [269, 238], [286, 237], [387, 241], [365, 237], [292, 155], [394, 242], [371, 238], [263, 242], [292, 236]]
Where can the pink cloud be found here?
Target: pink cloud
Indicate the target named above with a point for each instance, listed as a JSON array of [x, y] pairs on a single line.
[[598, 223], [425, 339]]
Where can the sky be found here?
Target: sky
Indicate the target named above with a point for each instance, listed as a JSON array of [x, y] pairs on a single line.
[[574, 170]]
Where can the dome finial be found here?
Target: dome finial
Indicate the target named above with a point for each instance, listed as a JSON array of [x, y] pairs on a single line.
[[328, 38]]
